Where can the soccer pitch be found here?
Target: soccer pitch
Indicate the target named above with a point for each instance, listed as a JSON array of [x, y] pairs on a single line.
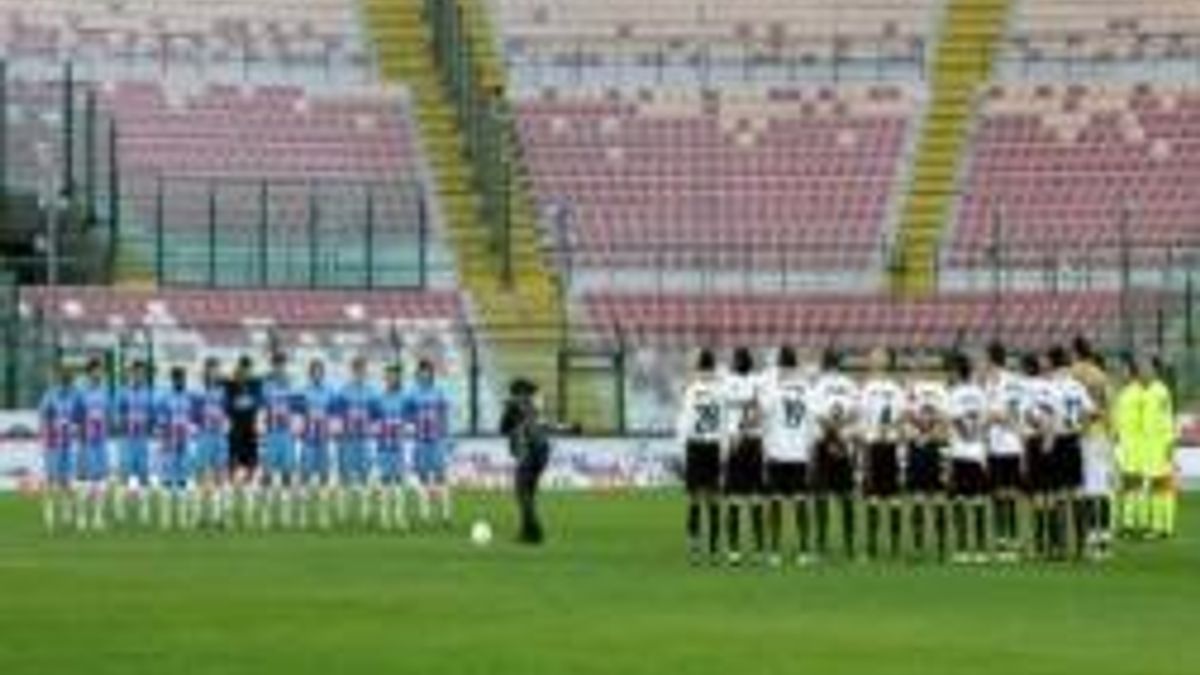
[[610, 593]]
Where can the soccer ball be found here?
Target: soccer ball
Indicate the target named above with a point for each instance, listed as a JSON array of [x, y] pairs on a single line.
[[481, 533]]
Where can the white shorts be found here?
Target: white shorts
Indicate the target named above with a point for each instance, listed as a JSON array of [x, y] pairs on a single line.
[[1099, 467]]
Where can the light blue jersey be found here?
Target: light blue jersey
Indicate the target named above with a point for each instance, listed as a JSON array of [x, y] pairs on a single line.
[[280, 404], [212, 429], [57, 413], [358, 410], [427, 411], [318, 409], [93, 415], [175, 414], [392, 437], [135, 423]]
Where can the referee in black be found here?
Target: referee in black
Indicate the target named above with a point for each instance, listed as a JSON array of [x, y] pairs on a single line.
[[243, 400], [529, 443]]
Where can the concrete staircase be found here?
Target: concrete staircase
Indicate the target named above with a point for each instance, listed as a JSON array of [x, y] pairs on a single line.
[[520, 316], [971, 32]]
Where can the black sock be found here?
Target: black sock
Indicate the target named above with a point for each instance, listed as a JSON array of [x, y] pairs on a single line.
[[917, 517], [714, 527], [802, 524], [693, 524], [775, 525], [939, 526], [960, 526], [1057, 528], [1000, 520], [1104, 515], [758, 525], [822, 524], [894, 529], [848, 530], [1040, 527], [1083, 523], [873, 529], [980, 527], [733, 527]]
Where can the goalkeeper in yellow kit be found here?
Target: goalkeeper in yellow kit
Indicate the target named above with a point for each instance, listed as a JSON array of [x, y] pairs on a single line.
[[1160, 448]]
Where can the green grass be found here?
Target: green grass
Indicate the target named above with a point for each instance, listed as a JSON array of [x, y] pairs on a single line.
[[610, 593]]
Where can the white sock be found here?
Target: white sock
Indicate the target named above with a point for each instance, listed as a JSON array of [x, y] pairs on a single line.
[[341, 498], [48, 511], [447, 502], [400, 506], [165, 511], [120, 495], [325, 498], [97, 496], [79, 505], [143, 502], [423, 507]]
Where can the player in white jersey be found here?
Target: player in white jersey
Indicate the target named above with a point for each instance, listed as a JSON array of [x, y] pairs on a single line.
[[882, 404], [1039, 414], [789, 442], [701, 430], [968, 464], [835, 403], [928, 435], [1006, 397], [744, 464], [1075, 412]]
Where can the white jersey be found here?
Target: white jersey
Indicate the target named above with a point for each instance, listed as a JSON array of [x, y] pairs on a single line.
[[1075, 406], [968, 410], [835, 401], [1041, 409], [929, 408], [1006, 394], [701, 416], [790, 425], [743, 396], [882, 406]]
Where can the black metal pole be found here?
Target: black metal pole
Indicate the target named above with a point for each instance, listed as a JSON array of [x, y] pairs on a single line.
[[3, 134], [264, 255], [314, 217], [89, 158], [369, 239], [114, 183], [159, 217], [212, 234], [422, 239], [68, 137]]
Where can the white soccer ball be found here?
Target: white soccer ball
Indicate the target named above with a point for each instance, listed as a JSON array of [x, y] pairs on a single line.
[[481, 533]]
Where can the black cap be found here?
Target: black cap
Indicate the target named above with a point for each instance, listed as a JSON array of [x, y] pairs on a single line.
[[522, 387]]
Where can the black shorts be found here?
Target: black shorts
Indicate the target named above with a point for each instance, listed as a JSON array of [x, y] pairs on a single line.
[[786, 479], [1004, 472], [834, 467], [744, 468], [243, 452], [702, 466], [968, 478], [925, 468], [1068, 462], [882, 477], [1039, 466]]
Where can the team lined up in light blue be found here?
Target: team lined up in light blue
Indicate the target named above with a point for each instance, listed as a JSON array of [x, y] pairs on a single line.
[[324, 449]]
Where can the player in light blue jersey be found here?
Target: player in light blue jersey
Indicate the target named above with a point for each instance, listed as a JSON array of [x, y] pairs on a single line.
[[428, 413], [318, 410], [135, 423], [392, 434], [174, 416], [280, 405], [56, 414], [212, 445], [357, 412], [93, 417]]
